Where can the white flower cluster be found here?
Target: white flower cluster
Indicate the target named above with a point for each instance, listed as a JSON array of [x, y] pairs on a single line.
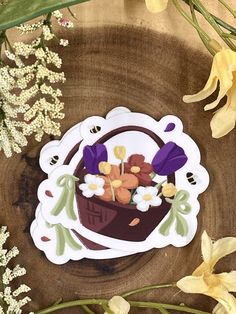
[[9, 301], [26, 90], [29, 28]]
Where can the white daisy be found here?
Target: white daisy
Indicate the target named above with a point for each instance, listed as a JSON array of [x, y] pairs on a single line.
[[93, 186], [146, 197]]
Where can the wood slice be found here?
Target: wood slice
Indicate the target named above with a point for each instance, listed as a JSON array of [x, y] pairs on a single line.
[[147, 72]]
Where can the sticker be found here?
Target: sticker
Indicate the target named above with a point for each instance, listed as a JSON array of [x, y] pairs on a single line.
[[125, 182]]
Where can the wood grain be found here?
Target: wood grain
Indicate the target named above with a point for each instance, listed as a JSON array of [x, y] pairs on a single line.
[[148, 72]]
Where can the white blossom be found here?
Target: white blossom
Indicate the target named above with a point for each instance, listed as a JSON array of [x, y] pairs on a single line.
[[146, 197], [10, 300], [27, 92], [64, 42], [93, 186]]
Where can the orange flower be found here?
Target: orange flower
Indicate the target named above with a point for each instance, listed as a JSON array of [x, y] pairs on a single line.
[[117, 186]]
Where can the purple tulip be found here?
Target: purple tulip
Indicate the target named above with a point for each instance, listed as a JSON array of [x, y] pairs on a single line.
[[92, 156], [169, 159]]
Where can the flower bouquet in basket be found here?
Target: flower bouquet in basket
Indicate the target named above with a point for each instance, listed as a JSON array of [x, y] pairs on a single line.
[[115, 199]]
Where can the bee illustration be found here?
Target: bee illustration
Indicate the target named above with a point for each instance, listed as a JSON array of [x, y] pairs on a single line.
[[192, 178], [95, 129], [54, 160]]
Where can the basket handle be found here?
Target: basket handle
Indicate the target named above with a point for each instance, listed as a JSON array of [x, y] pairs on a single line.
[[117, 131]]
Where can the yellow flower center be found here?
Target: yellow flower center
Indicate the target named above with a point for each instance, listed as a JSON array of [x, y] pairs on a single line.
[[116, 184], [135, 169], [93, 186], [147, 197], [211, 280]]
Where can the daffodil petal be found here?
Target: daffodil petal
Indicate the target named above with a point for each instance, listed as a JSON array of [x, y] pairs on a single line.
[[208, 89], [219, 309], [156, 6], [223, 122], [221, 295], [222, 248], [228, 280], [224, 87], [207, 247], [192, 284]]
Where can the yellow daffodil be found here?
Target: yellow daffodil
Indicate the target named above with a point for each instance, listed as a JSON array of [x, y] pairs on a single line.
[[223, 71], [118, 305], [203, 279], [156, 6]]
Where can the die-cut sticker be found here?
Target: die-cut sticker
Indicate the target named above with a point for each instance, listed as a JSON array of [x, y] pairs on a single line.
[[126, 182]]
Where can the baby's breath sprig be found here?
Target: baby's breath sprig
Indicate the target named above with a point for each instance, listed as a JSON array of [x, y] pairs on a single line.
[[10, 302], [26, 88]]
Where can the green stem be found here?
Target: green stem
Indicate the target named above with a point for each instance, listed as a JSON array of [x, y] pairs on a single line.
[[188, 18], [69, 304], [72, 13], [102, 302], [229, 35], [147, 288], [225, 25], [9, 44], [180, 308], [228, 7], [205, 42], [208, 17], [222, 23], [13, 21], [87, 309], [107, 309], [163, 311]]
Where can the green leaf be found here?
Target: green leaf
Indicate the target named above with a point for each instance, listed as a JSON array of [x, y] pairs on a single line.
[[60, 240], [16, 12], [181, 225], [165, 227]]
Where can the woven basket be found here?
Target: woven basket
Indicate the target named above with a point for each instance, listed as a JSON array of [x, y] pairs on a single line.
[[113, 219]]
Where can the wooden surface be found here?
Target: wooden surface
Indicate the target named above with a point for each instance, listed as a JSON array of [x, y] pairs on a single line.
[[148, 72]]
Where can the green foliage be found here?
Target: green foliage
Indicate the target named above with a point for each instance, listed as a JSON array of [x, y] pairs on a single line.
[[16, 12]]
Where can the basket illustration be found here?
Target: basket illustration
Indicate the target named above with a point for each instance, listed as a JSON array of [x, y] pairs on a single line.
[[111, 218]]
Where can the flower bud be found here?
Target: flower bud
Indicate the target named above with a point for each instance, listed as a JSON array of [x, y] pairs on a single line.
[[118, 305], [169, 190], [120, 152], [104, 167]]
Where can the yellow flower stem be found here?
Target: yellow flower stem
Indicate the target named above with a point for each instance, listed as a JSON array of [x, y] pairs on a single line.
[[208, 17], [220, 22], [163, 311], [87, 309], [147, 288], [158, 185], [107, 309], [154, 305], [228, 7], [122, 166], [229, 35], [205, 42], [70, 304], [104, 302], [188, 18], [112, 191]]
